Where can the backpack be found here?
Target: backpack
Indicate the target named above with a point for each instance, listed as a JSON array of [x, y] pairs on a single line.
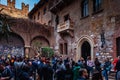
[[7, 73]]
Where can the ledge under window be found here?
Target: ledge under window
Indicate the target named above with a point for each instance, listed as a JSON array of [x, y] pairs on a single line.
[[98, 11], [83, 17]]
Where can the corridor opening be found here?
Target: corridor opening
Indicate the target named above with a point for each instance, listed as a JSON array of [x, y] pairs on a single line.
[[85, 50], [118, 46]]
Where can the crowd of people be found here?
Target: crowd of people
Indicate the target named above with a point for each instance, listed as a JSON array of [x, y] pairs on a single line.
[[19, 68]]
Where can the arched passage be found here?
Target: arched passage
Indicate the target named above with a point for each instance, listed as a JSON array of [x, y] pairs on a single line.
[[118, 46], [37, 43], [13, 46], [85, 47]]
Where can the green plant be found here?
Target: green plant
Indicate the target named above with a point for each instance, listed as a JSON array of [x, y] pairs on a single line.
[[47, 52]]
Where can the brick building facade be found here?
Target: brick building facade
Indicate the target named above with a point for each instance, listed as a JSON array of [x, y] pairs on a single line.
[[82, 27]]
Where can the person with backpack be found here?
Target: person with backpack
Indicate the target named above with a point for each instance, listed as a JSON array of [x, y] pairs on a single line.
[[106, 68], [21, 70], [6, 73], [68, 72]]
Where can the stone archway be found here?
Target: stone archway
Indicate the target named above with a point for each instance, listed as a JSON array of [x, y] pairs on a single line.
[[36, 44], [14, 45], [85, 41]]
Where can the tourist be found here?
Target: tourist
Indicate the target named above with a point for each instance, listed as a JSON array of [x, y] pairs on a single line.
[[106, 68], [82, 74], [90, 65]]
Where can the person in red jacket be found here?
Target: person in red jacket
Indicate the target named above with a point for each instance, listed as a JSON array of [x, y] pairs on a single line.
[[114, 62]]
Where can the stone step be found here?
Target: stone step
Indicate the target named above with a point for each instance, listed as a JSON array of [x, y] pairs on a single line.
[[112, 75]]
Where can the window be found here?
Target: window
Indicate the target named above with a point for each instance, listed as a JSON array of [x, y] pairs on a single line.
[[66, 17], [63, 48], [38, 15], [44, 11], [57, 20], [34, 17], [84, 6], [97, 5]]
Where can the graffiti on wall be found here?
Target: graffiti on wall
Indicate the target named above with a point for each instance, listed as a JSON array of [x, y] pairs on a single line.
[[11, 50]]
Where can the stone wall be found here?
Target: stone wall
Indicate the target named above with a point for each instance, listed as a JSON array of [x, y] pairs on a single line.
[[91, 26]]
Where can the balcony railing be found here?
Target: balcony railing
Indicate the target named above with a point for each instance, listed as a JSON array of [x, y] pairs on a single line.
[[67, 25]]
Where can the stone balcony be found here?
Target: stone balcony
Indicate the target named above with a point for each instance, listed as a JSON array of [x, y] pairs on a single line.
[[66, 27]]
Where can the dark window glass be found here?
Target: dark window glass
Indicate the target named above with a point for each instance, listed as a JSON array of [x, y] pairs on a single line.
[[66, 17], [84, 8], [44, 11], [61, 48], [57, 20], [66, 48], [97, 5], [38, 15]]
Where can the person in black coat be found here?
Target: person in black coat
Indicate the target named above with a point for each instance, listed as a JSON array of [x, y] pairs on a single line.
[[68, 73]]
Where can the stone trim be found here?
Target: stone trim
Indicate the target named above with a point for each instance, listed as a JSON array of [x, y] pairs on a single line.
[[79, 44]]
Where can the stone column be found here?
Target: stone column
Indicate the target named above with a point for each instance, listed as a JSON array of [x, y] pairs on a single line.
[[27, 51]]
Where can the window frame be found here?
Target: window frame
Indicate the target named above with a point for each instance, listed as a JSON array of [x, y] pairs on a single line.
[[84, 8], [97, 5], [63, 47]]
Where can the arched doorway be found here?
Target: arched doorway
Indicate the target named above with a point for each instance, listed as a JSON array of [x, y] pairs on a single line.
[[85, 50], [118, 46], [85, 47]]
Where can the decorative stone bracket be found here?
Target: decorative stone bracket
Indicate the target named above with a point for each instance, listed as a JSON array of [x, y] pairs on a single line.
[[71, 33]]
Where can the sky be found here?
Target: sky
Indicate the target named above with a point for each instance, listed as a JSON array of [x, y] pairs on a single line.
[[18, 3]]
